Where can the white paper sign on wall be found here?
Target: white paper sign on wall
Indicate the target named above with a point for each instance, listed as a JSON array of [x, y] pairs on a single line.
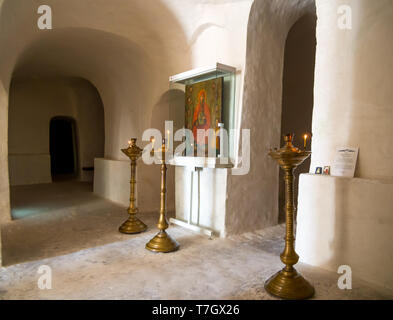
[[345, 162]]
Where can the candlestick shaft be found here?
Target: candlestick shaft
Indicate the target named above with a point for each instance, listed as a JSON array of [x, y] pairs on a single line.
[[132, 207], [132, 224], [289, 256], [162, 242], [162, 222]]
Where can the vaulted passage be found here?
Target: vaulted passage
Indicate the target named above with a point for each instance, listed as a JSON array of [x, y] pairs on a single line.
[[56, 130]]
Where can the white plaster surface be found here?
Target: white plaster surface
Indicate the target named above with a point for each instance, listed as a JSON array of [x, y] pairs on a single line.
[[343, 221], [29, 169], [350, 221], [353, 95], [201, 196], [112, 181]]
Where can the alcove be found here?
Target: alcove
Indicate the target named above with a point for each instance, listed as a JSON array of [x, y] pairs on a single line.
[[297, 93]]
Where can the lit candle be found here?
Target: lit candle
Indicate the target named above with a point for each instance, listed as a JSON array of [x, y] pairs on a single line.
[[305, 140]]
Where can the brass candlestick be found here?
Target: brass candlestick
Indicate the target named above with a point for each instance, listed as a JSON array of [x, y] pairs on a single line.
[[162, 242], [132, 224], [288, 283]]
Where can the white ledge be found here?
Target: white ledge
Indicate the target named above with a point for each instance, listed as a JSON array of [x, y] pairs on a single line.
[[201, 162]]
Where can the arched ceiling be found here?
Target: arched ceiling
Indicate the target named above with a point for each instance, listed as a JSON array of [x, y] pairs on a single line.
[[126, 48], [79, 52], [149, 25]]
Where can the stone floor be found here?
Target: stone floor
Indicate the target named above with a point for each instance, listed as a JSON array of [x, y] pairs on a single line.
[[77, 237]]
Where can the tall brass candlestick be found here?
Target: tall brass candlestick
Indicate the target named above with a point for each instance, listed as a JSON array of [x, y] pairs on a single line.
[[288, 283], [132, 224], [162, 242]]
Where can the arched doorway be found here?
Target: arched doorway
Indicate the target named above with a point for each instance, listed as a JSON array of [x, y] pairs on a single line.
[[297, 94], [63, 147], [56, 131], [253, 199]]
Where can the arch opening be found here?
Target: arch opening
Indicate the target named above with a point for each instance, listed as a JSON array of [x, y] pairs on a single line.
[[297, 93], [56, 130], [268, 27]]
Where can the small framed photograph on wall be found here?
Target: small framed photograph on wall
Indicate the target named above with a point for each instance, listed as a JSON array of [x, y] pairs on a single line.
[[326, 170], [318, 170]]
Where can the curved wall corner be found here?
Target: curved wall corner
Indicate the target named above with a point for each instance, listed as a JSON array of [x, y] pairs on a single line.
[[342, 220], [252, 199]]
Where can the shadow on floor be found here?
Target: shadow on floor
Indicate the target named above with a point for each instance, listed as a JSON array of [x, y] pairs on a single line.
[[60, 218], [29, 200]]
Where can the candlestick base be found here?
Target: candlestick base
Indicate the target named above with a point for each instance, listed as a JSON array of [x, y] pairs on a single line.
[[162, 242], [132, 225], [289, 285]]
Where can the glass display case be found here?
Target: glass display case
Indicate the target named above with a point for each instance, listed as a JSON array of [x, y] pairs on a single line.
[[202, 101]]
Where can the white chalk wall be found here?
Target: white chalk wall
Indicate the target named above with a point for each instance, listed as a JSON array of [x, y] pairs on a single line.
[[350, 221], [33, 103], [353, 91], [252, 199], [29, 169], [345, 221], [201, 197], [112, 181]]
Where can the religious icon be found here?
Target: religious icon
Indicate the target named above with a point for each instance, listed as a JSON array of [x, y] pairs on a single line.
[[326, 170], [203, 110], [318, 170]]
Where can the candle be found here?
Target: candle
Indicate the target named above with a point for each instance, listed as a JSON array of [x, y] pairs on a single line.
[[305, 140], [168, 133]]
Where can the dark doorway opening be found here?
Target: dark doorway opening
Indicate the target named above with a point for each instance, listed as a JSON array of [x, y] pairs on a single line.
[[62, 147], [298, 98]]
